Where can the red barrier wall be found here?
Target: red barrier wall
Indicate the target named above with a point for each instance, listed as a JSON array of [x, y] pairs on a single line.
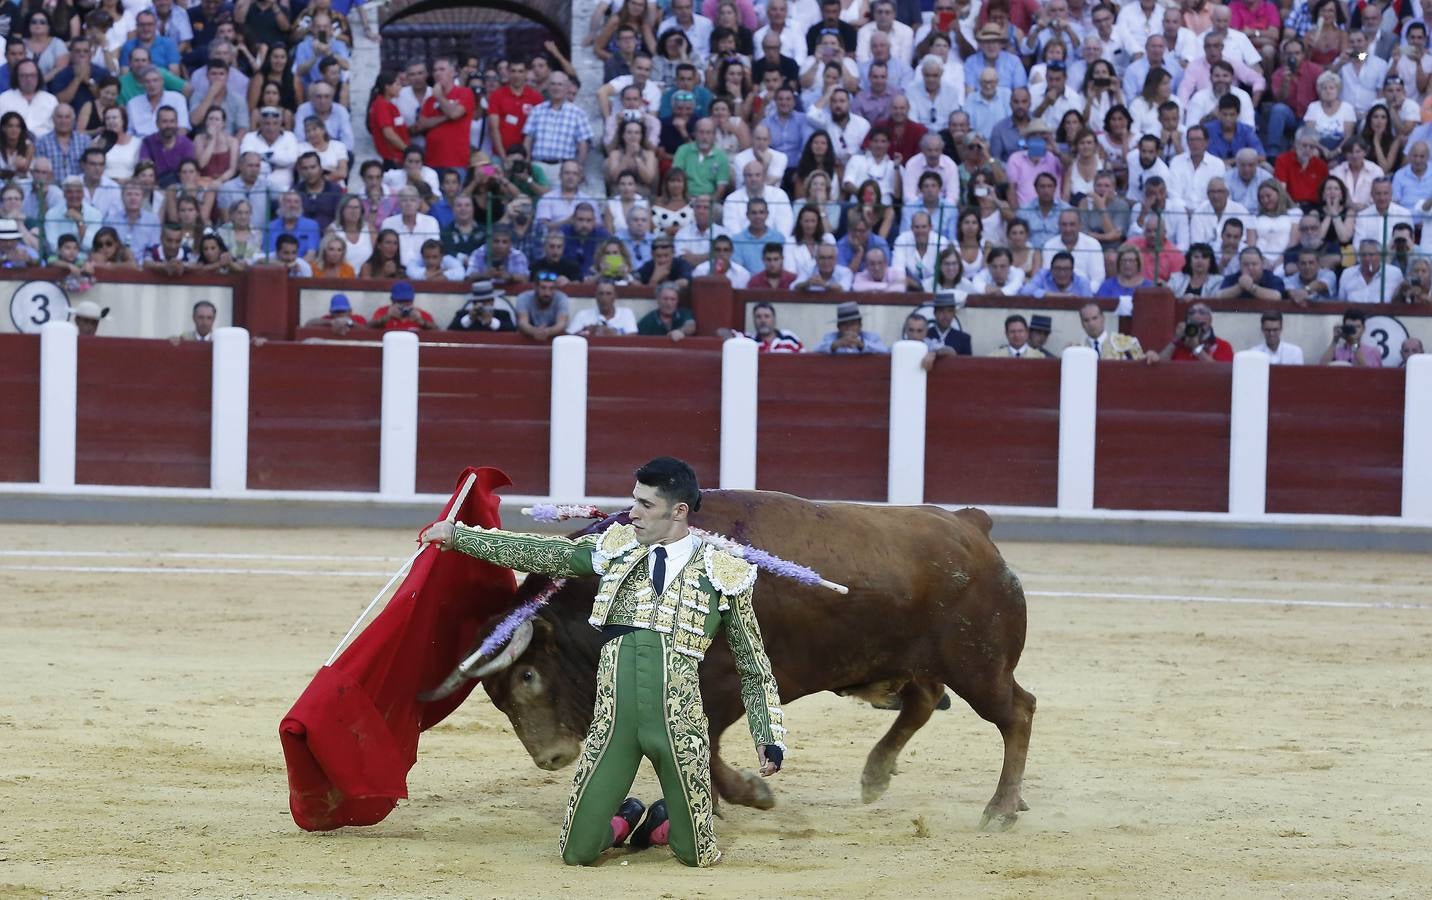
[[1335, 441], [992, 432], [650, 402], [143, 413], [1161, 438], [823, 428], [484, 405], [314, 417], [20, 412]]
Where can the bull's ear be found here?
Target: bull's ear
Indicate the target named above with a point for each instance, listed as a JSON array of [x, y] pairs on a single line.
[[541, 628]]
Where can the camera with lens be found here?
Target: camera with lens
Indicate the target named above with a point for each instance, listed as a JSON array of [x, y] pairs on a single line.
[[1349, 331], [520, 167], [1101, 81], [1192, 329]]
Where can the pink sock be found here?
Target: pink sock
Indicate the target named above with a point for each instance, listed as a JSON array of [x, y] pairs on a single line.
[[620, 829], [660, 833]]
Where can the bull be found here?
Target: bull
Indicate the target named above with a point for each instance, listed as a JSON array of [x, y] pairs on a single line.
[[931, 604]]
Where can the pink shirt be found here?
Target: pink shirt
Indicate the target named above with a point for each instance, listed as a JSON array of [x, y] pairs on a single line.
[[1022, 171], [1265, 16], [1370, 357], [1196, 78]]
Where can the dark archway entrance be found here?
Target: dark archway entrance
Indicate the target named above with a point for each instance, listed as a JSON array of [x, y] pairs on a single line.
[[487, 29]]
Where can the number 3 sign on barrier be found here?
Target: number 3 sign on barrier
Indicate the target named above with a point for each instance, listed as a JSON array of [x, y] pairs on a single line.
[[1387, 334], [36, 302]]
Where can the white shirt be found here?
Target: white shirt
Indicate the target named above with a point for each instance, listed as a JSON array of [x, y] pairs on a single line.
[[1011, 285], [1138, 175], [37, 111], [733, 211], [906, 257], [1057, 109], [410, 240], [1354, 288], [678, 552], [1206, 225], [1203, 105], [1369, 224], [1189, 182], [1236, 45], [902, 41], [775, 167], [792, 40], [1175, 222], [698, 33], [736, 273], [1286, 355], [844, 139], [650, 93], [622, 320], [862, 167], [1088, 257], [278, 157]]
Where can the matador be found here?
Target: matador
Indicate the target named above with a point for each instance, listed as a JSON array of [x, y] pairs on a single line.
[[663, 596]]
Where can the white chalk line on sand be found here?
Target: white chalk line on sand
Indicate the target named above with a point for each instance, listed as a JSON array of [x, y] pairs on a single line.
[[1071, 595], [1200, 598], [175, 554], [1211, 582]]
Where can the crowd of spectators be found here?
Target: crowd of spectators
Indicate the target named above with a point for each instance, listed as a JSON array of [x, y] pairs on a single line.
[[1069, 148]]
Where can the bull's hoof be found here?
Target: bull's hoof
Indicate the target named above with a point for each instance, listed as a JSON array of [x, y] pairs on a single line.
[[761, 796], [875, 781], [995, 820], [1023, 807], [944, 702]]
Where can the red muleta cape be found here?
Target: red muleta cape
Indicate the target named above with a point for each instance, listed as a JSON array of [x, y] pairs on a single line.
[[352, 736]]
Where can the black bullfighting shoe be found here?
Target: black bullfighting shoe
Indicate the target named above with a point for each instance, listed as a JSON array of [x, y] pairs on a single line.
[[655, 818], [629, 812]]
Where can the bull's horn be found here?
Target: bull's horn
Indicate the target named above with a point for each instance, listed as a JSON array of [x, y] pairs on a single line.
[[464, 671], [515, 648]]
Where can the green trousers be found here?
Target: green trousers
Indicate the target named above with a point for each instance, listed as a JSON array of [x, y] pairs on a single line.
[[648, 705]]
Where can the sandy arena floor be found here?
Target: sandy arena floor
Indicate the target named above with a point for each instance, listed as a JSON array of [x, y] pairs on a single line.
[[1209, 749]]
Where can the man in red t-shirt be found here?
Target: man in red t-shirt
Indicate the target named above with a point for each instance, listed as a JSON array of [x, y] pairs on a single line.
[[401, 314], [1194, 340], [445, 118], [508, 106]]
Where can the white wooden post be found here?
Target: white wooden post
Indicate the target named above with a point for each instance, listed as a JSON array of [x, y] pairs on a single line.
[[739, 373], [1078, 406], [59, 396], [908, 386], [398, 441], [1417, 440], [567, 475], [1248, 435], [229, 411]]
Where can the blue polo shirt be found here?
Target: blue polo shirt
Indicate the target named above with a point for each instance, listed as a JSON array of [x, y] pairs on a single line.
[[844, 252], [1243, 136], [306, 230], [162, 53]]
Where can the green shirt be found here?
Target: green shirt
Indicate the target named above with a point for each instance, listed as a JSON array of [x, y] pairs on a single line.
[[651, 322], [703, 174], [129, 86]]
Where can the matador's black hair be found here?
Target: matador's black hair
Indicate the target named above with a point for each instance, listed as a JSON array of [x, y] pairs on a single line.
[[673, 478]]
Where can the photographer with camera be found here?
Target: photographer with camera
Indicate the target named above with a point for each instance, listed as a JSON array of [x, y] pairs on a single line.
[[1194, 340], [1347, 347], [401, 314]]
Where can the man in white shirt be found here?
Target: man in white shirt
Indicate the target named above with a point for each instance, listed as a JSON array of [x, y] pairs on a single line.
[[902, 37], [144, 109], [932, 159], [1236, 45], [793, 42], [733, 211], [413, 94], [413, 227], [827, 274], [1174, 218], [35, 106], [932, 99], [1361, 78], [1191, 171], [277, 148], [1204, 103], [606, 318], [875, 164], [773, 160], [721, 263], [1052, 98], [1137, 22], [1145, 162], [1375, 223], [1370, 281], [696, 27], [1278, 351], [639, 78], [847, 131], [1206, 219], [1087, 252]]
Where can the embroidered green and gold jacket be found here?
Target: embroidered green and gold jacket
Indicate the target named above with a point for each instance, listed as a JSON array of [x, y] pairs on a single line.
[[712, 591]]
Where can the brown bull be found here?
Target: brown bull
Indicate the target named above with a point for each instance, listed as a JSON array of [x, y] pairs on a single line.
[[931, 603]]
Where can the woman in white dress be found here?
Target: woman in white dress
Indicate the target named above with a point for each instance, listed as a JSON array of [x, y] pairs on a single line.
[[1273, 228], [350, 224], [123, 154]]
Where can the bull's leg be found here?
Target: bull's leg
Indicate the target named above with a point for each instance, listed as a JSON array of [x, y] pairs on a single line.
[[743, 788], [917, 701], [1011, 708]]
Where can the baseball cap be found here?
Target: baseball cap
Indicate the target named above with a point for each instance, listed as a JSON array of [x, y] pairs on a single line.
[[402, 292], [339, 303]]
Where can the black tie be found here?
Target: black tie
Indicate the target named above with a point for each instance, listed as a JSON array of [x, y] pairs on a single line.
[[658, 572]]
